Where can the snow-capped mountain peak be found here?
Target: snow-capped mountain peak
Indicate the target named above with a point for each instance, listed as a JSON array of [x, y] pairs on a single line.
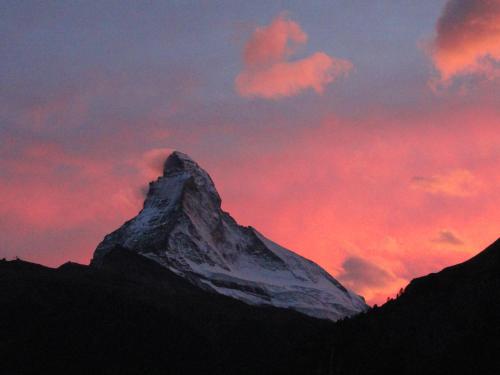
[[183, 227]]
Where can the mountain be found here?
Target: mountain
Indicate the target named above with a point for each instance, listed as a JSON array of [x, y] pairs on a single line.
[[183, 228], [444, 323]]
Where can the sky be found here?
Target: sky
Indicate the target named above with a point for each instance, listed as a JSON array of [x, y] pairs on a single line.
[[362, 135]]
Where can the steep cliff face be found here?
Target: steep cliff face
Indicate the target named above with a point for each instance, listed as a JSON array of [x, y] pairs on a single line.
[[183, 228]]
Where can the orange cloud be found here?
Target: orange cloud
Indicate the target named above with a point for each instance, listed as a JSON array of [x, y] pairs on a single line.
[[269, 74], [467, 39]]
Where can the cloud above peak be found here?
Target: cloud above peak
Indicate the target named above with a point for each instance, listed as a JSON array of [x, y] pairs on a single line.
[[268, 71], [467, 39], [152, 162]]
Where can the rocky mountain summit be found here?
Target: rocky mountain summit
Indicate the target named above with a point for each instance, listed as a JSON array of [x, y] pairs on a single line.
[[183, 228]]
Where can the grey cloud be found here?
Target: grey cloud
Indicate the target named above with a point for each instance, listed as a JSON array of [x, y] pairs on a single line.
[[448, 237], [359, 273]]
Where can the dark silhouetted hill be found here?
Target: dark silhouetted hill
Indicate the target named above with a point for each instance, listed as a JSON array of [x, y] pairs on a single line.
[[444, 323], [133, 316]]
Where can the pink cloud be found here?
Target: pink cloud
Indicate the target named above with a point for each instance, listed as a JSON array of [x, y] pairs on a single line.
[[268, 72], [467, 39], [275, 42]]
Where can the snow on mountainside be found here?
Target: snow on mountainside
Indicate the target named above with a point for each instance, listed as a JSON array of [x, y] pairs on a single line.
[[183, 227]]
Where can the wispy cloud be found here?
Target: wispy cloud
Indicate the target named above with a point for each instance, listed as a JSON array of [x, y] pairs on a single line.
[[268, 72], [152, 161], [458, 183]]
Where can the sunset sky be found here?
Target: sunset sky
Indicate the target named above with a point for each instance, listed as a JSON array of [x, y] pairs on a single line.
[[364, 135]]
